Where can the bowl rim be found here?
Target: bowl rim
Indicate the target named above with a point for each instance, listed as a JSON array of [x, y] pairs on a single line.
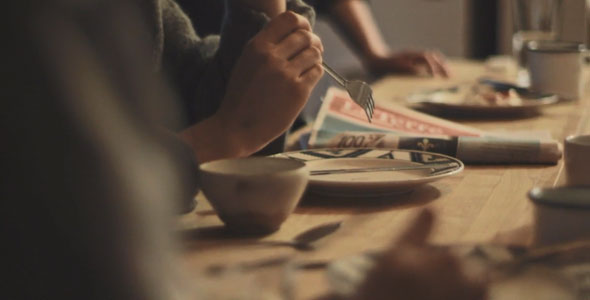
[[582, 140], [296, 166]]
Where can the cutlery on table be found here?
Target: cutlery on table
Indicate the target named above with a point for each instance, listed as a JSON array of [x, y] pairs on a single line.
[[431, 167], [302, 242]]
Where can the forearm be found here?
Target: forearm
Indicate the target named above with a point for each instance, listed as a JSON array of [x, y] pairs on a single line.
[[271, 8], [355, 19], [209, 141]]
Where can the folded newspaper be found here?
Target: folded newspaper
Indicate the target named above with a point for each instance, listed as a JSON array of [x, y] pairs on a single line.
[[343, 124]]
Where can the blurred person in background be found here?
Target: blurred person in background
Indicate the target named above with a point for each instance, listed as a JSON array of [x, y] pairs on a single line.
[[356, 22]]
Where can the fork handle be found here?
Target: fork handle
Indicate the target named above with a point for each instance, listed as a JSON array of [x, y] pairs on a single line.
[[334, 75]]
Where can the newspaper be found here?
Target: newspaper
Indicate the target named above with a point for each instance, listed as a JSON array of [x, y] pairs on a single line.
[[343, 124]]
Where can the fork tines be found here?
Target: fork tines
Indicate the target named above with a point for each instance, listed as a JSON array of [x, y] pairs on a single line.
[[362, 94], [359, 91], [370, 107], [367, 104]]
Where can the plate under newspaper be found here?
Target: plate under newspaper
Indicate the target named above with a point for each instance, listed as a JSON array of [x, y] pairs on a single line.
[[489, 97], [342, 172]]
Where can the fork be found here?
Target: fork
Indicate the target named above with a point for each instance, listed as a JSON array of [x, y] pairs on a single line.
[[359, 91]]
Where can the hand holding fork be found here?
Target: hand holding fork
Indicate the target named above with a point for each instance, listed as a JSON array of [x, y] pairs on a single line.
[[359, 91]]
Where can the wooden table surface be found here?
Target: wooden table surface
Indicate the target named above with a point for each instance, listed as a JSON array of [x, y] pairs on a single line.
[[483, 204]]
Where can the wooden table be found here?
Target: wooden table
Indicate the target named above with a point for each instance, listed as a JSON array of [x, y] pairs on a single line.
[[481, 205]]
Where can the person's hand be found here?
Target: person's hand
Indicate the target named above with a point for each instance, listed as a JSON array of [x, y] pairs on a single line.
[[411, 270], [268, 88], [432, 63], [272, 81]]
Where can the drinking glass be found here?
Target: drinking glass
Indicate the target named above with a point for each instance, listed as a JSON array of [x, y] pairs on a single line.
[[534, 20]]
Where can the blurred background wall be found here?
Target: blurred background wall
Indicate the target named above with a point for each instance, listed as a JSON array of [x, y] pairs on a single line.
[[459, 28]]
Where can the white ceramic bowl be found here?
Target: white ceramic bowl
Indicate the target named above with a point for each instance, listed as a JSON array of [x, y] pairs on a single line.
[[254, 195]]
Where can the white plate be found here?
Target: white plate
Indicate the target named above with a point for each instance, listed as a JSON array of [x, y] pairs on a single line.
[[374, 183]]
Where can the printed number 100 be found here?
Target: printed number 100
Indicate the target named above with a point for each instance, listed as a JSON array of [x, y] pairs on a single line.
[[351, 142]]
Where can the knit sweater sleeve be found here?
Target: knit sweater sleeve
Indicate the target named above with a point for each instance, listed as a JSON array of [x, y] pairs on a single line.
[[198, 67], [323, 7]]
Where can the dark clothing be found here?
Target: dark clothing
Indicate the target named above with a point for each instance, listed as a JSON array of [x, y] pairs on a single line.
[[199, 67], [88, 177], [208, 21]]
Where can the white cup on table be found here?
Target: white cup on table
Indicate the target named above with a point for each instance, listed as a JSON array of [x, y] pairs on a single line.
[[563, 214], [577, 160], [557, 68]]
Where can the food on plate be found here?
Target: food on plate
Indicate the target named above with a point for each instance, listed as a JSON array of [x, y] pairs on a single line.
[[475, 94]]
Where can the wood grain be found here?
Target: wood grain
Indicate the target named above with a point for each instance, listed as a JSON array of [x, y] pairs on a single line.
[[481, 205]]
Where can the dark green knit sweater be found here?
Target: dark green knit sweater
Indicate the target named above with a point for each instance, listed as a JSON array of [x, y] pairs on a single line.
[[199, 67]]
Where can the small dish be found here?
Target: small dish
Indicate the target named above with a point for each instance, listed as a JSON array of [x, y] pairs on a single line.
[[254, 195], [373, 183]]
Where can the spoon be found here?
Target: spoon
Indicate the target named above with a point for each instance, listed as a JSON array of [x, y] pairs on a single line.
[[302, 242], [305, 240]]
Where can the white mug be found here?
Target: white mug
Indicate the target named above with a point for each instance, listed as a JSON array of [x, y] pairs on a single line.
[[576, 149], [557, 68]]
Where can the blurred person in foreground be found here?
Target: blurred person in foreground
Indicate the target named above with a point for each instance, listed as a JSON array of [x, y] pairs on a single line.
[[89, 181], [411, 269], [98, 151]]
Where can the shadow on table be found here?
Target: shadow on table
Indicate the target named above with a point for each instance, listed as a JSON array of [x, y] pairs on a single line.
[[214, 236], [320, 204], [217, 236], [211, 237], [218, 233]]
